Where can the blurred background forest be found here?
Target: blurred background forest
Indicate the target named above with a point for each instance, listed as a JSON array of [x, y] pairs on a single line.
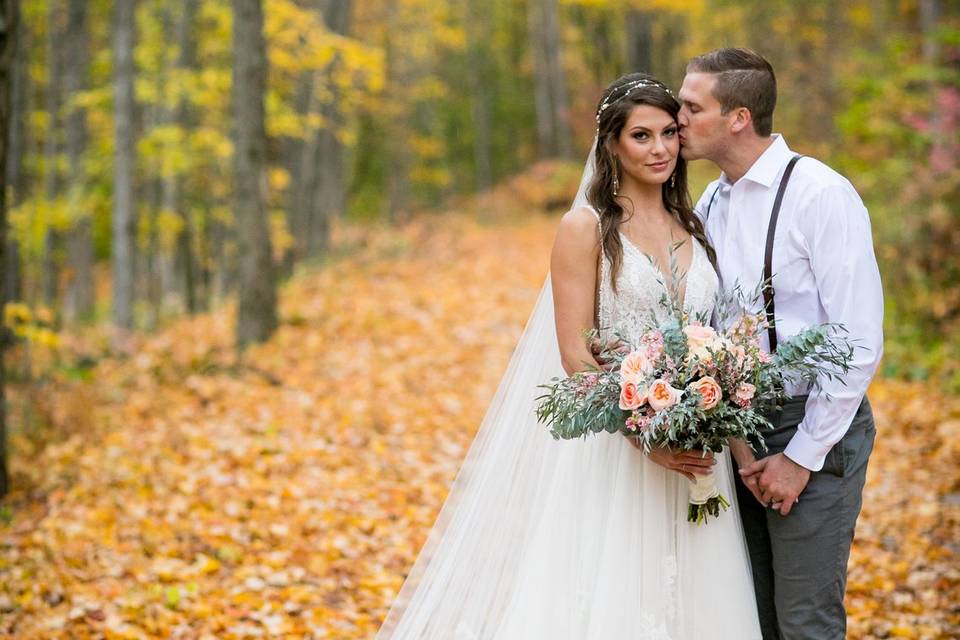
[[169, 159], [120, 156]]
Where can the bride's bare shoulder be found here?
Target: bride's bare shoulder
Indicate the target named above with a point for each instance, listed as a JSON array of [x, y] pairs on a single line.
[[580, 223], [578, 238]]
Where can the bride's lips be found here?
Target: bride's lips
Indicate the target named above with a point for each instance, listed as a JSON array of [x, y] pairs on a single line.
[[659, 166]]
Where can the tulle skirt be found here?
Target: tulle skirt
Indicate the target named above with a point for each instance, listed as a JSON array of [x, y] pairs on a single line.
[[614, 557], [571, 540]]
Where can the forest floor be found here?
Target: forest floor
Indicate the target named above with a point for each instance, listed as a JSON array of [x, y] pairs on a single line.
[[180, 493]]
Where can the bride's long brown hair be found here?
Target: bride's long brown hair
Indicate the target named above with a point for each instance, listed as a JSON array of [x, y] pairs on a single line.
[[616, 104]]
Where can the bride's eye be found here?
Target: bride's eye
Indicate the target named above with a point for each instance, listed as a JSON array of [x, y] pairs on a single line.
[[670, 132], [640, 135]]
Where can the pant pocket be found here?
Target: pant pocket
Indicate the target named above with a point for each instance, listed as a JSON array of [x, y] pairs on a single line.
[[836, 461]]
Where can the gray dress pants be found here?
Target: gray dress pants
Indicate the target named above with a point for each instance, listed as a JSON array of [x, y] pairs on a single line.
[[800, 561]]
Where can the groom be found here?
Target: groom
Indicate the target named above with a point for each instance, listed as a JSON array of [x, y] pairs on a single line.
[[804, 224]]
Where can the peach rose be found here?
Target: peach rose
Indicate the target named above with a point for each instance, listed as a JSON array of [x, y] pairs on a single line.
[[700, 340], [661, 395], [709, 391], [635, 365], [747, 325], [699, 337], [631, 396], [744, 393]]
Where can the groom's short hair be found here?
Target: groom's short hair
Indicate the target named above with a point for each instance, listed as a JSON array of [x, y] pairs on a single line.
[[744, 79]]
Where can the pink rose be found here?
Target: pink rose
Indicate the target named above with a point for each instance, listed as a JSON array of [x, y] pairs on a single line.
[[744, 394], [635, 366], [631, 395], [653, 341], [709, 391], [741, 357], [661, 395]]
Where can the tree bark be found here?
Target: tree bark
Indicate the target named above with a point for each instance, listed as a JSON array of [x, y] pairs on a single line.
[[639, 41], [328, 192], [8, 36], [478, 35], [398, 74], [51, 149], [550, 87], [929, 16], [257, 308], [16, 176], [79, 294], [185, 259], [124, 214], [303, 171]]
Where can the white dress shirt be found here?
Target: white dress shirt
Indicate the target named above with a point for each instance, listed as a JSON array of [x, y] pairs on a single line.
[[824, 270]]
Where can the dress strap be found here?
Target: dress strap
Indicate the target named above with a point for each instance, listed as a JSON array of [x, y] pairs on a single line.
[[598, 282], [595, 215]]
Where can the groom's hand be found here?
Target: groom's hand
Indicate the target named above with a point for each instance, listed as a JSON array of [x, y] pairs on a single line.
[[781, 481]]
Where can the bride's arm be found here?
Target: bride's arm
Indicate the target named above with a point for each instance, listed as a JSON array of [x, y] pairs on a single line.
[[744, 456], [573, 272]]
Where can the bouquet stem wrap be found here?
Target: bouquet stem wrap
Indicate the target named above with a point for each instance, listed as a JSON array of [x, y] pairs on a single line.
[[705, 498]]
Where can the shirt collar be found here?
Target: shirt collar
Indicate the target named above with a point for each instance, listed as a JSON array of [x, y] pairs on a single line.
[[767, 167]]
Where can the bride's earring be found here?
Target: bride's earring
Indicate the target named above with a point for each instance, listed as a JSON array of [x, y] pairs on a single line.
[[616, 176], [673, 180]]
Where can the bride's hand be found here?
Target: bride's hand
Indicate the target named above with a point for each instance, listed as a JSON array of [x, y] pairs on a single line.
[[596, 349], [744, 456], [686, 463]]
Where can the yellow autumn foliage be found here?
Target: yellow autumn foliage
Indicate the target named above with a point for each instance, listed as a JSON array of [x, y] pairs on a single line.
[[287, 493]]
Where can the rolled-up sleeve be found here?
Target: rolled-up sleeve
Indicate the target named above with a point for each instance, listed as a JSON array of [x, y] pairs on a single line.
[[841, 255]]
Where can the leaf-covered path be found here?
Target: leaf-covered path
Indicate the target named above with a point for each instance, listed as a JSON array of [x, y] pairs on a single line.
[[287, 495]]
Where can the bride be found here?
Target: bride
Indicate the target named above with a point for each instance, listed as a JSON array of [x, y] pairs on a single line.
[[588, 540]]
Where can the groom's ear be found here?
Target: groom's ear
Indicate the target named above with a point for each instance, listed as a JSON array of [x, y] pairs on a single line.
[[740, 118]]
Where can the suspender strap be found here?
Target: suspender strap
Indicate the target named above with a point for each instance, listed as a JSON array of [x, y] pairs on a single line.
[[768, 292], [706, 215]]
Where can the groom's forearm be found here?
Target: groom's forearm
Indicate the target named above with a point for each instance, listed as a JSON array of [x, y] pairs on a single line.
[[827, 419], [850, 293]]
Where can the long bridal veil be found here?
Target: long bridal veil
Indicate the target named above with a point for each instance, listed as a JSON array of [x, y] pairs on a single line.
[[461, 583]]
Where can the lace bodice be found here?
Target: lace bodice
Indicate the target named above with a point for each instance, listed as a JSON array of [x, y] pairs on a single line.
[[636, 304]]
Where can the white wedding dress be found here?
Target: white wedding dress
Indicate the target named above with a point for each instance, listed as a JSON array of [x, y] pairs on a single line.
[[578, 540]]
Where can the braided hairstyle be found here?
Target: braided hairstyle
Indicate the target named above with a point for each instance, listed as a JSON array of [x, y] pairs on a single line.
[[616, 104]]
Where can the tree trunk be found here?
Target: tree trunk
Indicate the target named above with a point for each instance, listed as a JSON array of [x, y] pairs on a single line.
[[79, 295], [398, 74], [16, 176], [51, 149], [478, 35], [550, 87], [124, 213], [8, 37], [639, 41], [929, 16], [303, 171], [257, 305], [328, 193], [186, 263]]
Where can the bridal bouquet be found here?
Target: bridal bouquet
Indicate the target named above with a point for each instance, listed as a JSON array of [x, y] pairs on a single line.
[[688, 387]]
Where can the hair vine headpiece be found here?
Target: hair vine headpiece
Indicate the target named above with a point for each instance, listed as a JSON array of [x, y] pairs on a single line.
[[629, 86]]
